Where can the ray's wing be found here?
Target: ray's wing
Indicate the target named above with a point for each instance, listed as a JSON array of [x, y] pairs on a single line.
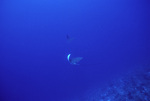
[[68, 57], [76, 60]]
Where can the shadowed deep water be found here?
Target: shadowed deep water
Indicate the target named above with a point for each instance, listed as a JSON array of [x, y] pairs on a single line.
[[112, 36]]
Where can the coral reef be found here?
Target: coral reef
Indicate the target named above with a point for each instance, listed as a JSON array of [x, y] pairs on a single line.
[[132, 87]]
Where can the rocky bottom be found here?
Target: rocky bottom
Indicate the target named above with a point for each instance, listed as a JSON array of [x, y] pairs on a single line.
[[133, 87]]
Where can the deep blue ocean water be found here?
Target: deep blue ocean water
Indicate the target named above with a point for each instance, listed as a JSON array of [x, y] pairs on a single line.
[[112, 36]]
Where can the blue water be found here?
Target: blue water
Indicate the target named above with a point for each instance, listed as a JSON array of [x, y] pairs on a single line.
[[112, 36]]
